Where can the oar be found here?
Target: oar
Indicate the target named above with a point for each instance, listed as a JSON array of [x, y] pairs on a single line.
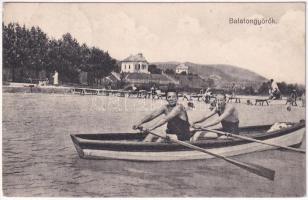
[[253, 140], [253, 168]]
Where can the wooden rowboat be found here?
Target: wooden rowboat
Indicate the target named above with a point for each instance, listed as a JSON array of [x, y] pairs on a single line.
[[129, 146]]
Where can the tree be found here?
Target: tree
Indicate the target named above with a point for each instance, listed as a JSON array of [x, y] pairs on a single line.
[[36, 46], [27, 52], [24, 50], [154, 70], [263, 89], [249, 90], [169, 71], [68, 59], [9, 49], [101, 64], [121, 82], [118, 67], [171, 86]]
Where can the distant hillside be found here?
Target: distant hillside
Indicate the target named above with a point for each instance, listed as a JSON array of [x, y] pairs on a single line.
[[226, 73]]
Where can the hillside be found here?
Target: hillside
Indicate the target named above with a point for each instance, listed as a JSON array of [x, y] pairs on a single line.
[[226, 73]]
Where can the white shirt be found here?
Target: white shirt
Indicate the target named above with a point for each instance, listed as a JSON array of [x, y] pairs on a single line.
[[56, 78], [274, 86]]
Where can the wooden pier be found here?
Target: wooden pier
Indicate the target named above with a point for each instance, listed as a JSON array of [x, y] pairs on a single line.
[[120, 93], [261, 102], [237, 99]]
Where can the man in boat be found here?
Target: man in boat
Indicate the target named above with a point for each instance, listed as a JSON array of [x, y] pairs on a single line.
[[228, 117], [178, 126], [274, 91]]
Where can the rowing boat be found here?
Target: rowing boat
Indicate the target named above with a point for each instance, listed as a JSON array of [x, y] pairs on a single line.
[[129, 146]]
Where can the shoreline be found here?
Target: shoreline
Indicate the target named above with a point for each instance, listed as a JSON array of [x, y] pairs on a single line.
[[50, 89], [26, 88], [32, 88]]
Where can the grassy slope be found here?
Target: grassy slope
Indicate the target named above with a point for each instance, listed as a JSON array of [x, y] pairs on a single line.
[[226, 72]]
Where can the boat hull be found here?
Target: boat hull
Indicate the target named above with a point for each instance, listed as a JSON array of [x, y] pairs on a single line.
[[292, 138]]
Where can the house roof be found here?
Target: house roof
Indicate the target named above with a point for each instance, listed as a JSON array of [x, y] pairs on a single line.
[[181, 66], [135, 58], [111, 78]]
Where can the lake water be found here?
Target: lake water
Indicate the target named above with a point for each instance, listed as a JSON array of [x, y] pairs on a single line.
[[39, 158]]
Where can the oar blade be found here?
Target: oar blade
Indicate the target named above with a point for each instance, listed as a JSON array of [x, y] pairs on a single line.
[[253, 168]]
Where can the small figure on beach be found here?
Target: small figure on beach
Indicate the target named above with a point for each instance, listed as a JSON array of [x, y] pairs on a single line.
[[274, 91], [249, 103], [303, 98], [233, 90], [228, 117], [56, 78], [134, 88], [153, 91], [291, 101], [207, 95], [176, 117]]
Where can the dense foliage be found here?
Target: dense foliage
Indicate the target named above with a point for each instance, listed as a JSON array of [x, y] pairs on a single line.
[[154, 70], [169, 71], [30, 54]]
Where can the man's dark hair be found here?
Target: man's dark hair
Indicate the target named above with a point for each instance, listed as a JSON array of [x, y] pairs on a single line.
[[171, 90]]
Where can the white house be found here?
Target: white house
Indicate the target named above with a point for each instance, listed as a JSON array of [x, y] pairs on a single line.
[[135, 64], [181, 68]]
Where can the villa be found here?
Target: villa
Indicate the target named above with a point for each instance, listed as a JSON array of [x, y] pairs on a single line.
[[181, 68], [135, 64]]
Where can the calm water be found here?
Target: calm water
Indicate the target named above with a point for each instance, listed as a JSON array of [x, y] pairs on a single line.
[[39, 158]]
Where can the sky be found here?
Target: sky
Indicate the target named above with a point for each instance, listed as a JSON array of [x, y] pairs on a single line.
[[194, 32]]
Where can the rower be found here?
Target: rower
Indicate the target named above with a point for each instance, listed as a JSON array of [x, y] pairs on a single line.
[[176, 117], [228, 117]]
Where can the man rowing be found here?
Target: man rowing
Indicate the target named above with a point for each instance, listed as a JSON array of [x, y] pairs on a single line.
[[228, 117], [175, 116]]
